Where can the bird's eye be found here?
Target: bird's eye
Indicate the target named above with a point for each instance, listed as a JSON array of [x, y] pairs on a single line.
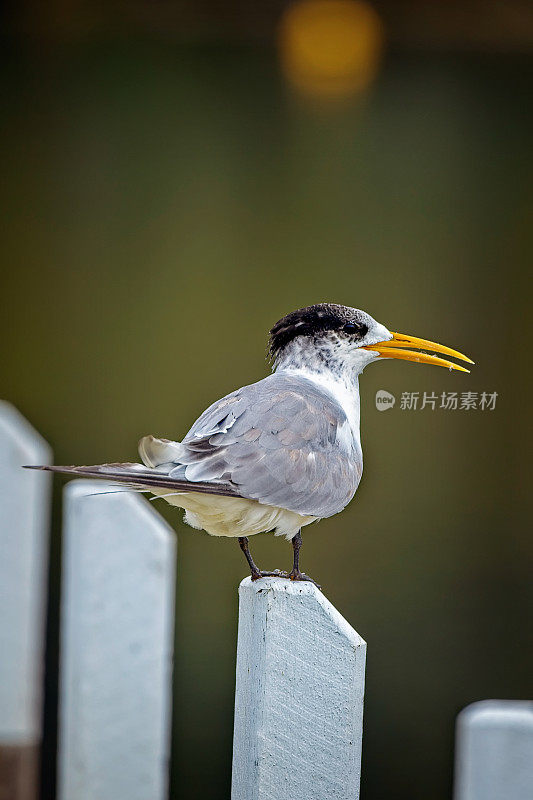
[[355, 327]]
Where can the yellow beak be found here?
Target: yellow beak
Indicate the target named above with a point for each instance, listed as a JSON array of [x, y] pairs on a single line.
[[393, 348]]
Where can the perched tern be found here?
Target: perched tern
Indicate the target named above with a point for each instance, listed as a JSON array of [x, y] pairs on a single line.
[[283, 452]]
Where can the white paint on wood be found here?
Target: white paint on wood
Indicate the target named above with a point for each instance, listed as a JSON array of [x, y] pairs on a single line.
[[116, 646], [299, 696], [24, 530], [494, 751]]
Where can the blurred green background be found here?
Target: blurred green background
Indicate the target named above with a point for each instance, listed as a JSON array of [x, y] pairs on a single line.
[[168, 193]]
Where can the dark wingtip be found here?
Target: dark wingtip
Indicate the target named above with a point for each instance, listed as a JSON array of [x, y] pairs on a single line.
[[47, 467]]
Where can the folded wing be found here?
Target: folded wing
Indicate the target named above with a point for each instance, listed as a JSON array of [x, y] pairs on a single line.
[[276, 441]]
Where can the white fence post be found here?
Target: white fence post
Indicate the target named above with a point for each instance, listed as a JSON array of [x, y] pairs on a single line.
[[24, 529], [494, 751], [299, 696], [116, 646]]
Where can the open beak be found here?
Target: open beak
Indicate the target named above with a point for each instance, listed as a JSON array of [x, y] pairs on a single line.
[[393, 348]]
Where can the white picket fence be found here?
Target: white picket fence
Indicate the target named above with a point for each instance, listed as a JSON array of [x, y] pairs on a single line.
[[300, 665]]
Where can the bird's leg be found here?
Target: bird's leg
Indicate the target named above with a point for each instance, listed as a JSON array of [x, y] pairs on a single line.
[[295, 574], [243, 544], [296, 546], [254, 569]]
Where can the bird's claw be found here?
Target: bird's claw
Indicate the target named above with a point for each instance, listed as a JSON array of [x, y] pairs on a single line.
[[296, 575], [279, 573], [275, 573]]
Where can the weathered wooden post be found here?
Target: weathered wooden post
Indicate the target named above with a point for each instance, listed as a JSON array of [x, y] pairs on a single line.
[[299, 696], [494, 751], [24, 530], [116, 646]]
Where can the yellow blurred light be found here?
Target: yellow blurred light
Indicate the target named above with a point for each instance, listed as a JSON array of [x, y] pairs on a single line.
[[330, 48]]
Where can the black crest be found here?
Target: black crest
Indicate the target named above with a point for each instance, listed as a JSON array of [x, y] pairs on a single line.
[[315, 321]]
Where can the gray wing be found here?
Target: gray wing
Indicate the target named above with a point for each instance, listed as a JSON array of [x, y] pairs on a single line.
[[281, 441]]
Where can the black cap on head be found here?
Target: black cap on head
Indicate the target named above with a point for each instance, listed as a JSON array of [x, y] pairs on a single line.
[[316, 321]]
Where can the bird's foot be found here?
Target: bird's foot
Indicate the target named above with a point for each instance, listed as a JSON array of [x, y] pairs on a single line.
[[296, 575], [275, 573]]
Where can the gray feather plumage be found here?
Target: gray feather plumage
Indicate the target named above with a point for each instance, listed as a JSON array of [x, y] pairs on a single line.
[[275, 441]]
